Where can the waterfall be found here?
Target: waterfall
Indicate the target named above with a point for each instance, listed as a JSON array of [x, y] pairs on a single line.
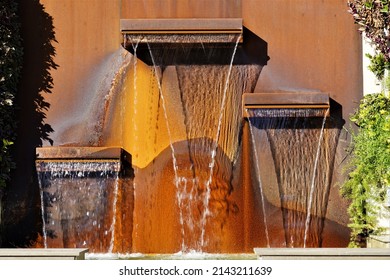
[[313, 182], [206, 212], [298, 142], [211, 104], [114, 214], [79, 201], [259, 181]]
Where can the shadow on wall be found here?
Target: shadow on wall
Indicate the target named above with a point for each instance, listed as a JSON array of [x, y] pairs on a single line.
[[22, 216]]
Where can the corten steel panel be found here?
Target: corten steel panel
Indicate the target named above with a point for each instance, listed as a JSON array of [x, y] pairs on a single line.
[[181, 9], [311, 46], [305, 48]]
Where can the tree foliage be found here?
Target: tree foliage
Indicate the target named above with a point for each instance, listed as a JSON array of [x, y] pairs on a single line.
[[10, 67], [373, 19], [369, 168]]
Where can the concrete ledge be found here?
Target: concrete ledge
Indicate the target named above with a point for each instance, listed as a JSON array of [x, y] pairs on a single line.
[[322, 253], [378, 241], [43, 254]]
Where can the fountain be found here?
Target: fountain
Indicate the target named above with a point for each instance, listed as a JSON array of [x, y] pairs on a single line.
[[293, 124], [85, 194], [195, 181]]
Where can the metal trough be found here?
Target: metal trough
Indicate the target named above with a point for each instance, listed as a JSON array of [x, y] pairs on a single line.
[[224, 30], [120, 159], [191, 41], [318, 102]]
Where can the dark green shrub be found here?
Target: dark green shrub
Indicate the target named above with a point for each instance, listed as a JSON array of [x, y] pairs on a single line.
[[11, 56]]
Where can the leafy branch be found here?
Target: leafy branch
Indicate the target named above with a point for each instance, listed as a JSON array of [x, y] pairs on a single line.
[[373, 19]]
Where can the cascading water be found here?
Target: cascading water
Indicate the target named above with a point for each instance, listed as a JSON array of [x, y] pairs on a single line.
[[206, 212], [313, 185], [43, 213], [68, 189], [114, 215], [80, 203], [182, 124], [257, 163], [299, 142], [174, 161], [202, 181]]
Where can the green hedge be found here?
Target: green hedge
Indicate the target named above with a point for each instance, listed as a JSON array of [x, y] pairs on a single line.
[[369, 174], [11, 56]]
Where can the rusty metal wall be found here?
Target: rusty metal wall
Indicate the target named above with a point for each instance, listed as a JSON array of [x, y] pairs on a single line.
[[180, 9], [312, 45]]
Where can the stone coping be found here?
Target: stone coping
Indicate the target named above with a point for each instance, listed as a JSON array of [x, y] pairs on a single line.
[[43, 254], [322, 253]]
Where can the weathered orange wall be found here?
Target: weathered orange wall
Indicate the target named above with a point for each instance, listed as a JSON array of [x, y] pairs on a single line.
[[312, 45], [181, 9], [87, 32]]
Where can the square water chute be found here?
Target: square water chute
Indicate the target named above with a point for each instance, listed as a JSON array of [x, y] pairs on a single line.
[[193, 41], [314, 103], [224, 30]]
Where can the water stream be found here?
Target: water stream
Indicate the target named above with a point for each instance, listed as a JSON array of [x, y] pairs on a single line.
[[70, 193], [174, 161], [206, 212], [313, 182], [257, 164], [205, 91], [188, 191], [114, 215], [299, 152]]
